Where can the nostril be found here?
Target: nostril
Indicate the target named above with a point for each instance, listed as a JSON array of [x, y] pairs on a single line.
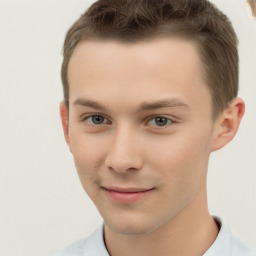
[[123, 154], [121, 165]]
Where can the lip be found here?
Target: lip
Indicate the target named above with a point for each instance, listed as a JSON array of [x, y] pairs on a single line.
[[127, 190], [127, 195]]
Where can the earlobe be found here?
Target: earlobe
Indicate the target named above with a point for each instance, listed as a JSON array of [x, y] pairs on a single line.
[[64, 115], [227, 124]]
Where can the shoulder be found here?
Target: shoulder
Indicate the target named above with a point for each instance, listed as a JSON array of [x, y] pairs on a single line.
[[227, 244], [237, 247], [92, 245], [75, 249]]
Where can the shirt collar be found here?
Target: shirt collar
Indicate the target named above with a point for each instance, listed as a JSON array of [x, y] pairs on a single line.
[[95, 244], [221, 245]]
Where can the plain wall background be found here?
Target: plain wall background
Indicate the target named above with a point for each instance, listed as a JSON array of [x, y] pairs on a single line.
[[42, 204]]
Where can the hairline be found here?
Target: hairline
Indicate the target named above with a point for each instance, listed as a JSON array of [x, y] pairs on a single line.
[[158, 34]]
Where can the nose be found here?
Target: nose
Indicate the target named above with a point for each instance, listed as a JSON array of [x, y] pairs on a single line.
[[124, 152]]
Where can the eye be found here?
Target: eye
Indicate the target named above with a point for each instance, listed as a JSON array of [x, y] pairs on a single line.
[[160, 121], [95, 119]]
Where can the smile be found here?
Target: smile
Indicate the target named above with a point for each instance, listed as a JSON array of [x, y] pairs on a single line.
[[127, 195]]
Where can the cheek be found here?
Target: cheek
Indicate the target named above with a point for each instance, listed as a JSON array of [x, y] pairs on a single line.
[[182, 168], [182, 158], [88, 158], [87, 152]]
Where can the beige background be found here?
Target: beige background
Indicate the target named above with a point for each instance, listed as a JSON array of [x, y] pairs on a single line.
[[42, 205]]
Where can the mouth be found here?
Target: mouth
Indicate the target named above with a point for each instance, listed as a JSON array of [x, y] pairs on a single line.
[[127, 195], [127, 190]]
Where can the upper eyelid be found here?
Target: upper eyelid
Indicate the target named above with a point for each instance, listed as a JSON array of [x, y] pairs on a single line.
[[84, 117]]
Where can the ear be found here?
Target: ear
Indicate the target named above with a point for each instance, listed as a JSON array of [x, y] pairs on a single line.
[[227, 124], [64, 120]]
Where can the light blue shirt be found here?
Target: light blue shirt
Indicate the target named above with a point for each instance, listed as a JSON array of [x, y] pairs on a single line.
[[226, 244]]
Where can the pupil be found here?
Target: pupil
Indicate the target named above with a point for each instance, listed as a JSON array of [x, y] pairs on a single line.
[[161, 121], [97, 119]]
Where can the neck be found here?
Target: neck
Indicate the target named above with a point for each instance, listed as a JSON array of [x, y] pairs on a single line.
[[189, 233]]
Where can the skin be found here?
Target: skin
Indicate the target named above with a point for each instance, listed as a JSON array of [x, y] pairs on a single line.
[[129, 148], [252, 5]]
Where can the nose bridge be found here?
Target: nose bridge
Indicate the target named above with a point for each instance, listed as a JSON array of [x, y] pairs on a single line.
[[123, 154]]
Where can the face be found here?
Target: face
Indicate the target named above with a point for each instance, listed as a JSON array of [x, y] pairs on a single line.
[[140, 129]]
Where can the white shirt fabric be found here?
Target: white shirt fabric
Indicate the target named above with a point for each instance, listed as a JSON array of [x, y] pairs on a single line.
[[226, 244]]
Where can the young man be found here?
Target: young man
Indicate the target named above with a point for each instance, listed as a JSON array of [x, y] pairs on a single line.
[[150, 90]]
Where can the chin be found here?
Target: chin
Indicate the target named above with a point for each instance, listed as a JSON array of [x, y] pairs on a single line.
[[130, 229], [131, 226]]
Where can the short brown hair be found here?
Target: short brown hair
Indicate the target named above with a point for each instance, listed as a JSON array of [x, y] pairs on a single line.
[[135, 20]]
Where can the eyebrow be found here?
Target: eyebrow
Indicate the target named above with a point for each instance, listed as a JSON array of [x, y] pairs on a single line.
[[145, 106]]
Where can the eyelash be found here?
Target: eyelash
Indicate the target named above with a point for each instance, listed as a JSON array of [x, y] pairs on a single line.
[[170, 121]]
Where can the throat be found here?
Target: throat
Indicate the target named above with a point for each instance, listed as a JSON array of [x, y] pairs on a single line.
[[172, 238]]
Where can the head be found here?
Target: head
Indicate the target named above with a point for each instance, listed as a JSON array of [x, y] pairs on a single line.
[[149, 92], [197, 21]]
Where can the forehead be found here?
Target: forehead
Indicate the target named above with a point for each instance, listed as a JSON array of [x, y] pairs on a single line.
[[168, 52], [136, 71]]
